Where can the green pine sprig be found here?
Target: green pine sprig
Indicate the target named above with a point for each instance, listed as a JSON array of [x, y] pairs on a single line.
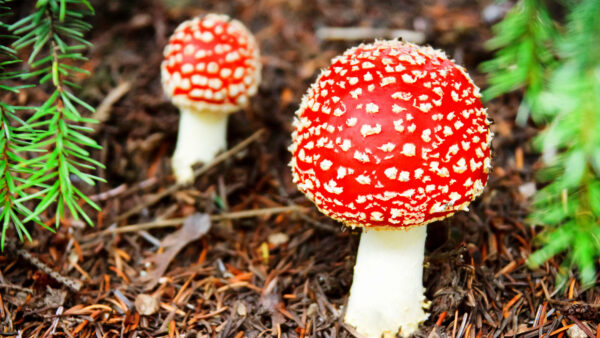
[[49, 150], [14, 135], [525, 56], [569, 101]]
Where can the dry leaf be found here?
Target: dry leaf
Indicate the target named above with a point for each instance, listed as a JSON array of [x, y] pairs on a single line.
[[194, 227]]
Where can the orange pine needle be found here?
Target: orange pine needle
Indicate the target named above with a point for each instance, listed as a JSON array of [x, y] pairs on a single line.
[[572, 288], [79, 327], [172, 329], [242, 277], [202, 256], [120, 274], [441, 319], [468, 330], [564, 328], [106, 283], [510, 303]]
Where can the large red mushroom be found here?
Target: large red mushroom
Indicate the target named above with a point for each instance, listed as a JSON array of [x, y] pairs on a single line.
[[392, 136], [211, 68]]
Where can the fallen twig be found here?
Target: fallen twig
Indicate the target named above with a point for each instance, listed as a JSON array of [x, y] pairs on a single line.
[[217, 160], [103, 110], [177, 221], [109, 194], [368, 33], [15, 287], [72, 284]]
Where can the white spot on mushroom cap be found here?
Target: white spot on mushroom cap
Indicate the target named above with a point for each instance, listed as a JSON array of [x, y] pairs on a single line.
[[346, 145], [356, 93], [367, 65], [460, 166], [387, 147], [408, 193], [212, 67], [238, 73], [187, 68], [408, 79], [189, 49], [391, 173], [185, 84], [363, 179], [376, 216], [426, 135], [475, 164], [408, 149], [225, 72], [372, 108], [332, 187], [339, 112], [341, 172], [397, 109], [447, 131], [215, 83], [361, 156], [367, 130], [398, 125], [198, 93], [425, 107], [326, 164], [199, 80], [207, 36], [387, 81], [404, 176], [405, 96]]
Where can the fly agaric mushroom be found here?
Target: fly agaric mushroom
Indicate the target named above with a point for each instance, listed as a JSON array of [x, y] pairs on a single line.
[[211, 68], [391, 137]]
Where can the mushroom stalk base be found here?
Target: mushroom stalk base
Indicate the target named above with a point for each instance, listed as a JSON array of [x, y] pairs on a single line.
[[387, 288], [201, 136]]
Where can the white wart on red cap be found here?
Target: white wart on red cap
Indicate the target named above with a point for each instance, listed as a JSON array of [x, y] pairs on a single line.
[[211, 64], [391, 134]]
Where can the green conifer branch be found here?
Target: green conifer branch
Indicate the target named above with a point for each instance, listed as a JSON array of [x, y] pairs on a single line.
[[525, 55], [41, 157], [54, 24], [569, 101], [13, 136]]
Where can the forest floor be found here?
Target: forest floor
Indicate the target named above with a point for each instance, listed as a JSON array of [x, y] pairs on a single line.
[[268, 263]]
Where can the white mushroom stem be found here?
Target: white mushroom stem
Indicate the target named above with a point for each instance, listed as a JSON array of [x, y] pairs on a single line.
[[387, 289], [201, 136]]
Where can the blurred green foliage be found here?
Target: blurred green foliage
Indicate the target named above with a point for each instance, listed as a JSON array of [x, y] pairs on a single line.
[[556, 64]]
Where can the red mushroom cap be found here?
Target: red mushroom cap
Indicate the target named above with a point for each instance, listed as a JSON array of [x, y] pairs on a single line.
[[211, 64], [391, 134]]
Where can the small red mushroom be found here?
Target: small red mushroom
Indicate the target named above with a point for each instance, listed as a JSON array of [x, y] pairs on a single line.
[[390, 137], [211, 68]]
